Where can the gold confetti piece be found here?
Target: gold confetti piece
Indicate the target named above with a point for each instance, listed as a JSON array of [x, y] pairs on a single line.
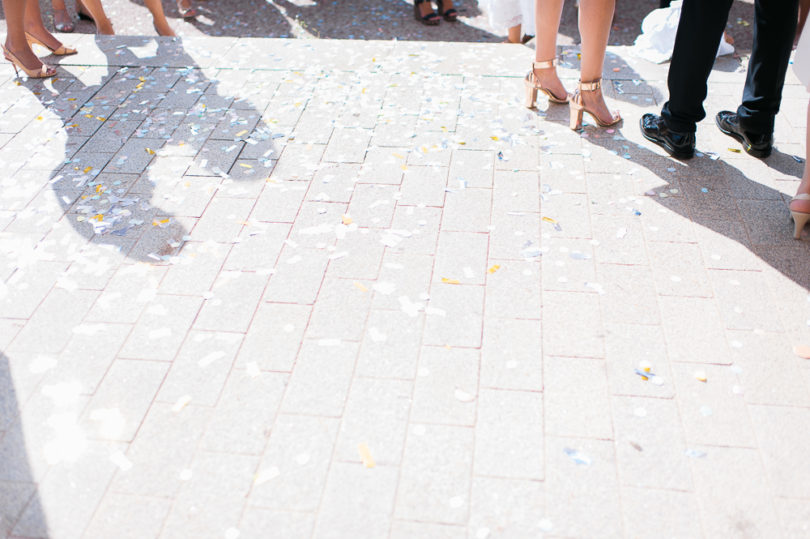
[[735, 150], [462, 143], [87, 169], [245, 165], [71, 99], [101, 118], [360, 286], [39, 118], [88, 115], [493, 137], [445, 280], [802, 350], [98, 217], [616, 69], [550, 220], [346, 220], [161, 222], [701, 376], [365, 455], [403, 167], [494, 268], [181, 403], [398, 156], [242, 132], [150, 151]]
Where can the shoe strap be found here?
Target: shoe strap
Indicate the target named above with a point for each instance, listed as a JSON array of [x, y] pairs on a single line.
[[546, 64], [802, 196], [590, 86]]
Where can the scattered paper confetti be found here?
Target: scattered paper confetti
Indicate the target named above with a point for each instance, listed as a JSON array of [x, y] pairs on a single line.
[[365, 455]]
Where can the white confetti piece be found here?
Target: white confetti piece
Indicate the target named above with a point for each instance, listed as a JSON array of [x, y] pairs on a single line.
[[185, 474], [303, 459], [267, 475], [456, 501], [210, 358], [181, 403], [121, 460], [376, 335], [252, 369], [463, 396], [385, 288]]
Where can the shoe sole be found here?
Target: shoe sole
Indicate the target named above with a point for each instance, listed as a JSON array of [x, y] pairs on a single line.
[[677, 154], [760, 154]]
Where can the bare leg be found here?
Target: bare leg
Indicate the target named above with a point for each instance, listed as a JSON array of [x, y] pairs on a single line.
[[159, 18], [547, 20], [15, 36], [595, 19], [804, 187], [96, 11], [34, 26], [61, 18], [514, 35]]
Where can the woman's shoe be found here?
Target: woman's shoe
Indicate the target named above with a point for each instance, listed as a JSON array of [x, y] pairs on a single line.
[[61, 51], [533, 85], [451, 15], [43, 72], [62, 21], [82, 12], [186, 12], [431, 19], [799, 218], [578, 107]]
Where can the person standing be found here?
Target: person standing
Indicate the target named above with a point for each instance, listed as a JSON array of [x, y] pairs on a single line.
[[514, 16], [24, 27], [699, 32]]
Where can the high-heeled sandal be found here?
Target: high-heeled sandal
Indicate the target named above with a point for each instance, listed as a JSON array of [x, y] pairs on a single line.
[[451, 15], [799, 217], [533, 84], [62, 21], [578, 106], [186, 12], [61, 51], [43, 72], [431, 19]]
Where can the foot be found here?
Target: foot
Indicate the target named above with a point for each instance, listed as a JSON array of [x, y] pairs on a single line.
[[800, 203], [62, 21], [26, 57], [756, 144], [186, 9], [448, 11], [678, 145], [549, 80], [103, 27], [44, 36], [427, 14], [594, 102]]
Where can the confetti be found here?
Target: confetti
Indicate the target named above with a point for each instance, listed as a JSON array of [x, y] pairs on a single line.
[[445, 280], [494, 268], [365, 455]]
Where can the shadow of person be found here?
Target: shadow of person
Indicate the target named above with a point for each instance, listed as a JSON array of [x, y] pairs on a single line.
[[18, 487], [141, 141]]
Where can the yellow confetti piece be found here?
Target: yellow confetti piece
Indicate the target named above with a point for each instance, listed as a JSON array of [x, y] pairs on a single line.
[[88, 115], [445, 280], [99, 217], [701, 376], [403, 167], [161, 222], [150, 151], [73, 125], [101, 118], [71, 99], [549, 220], [398, 156], [39, 118], [99, 188], [245, 165], [360, 286], [346, 220], [493, 137], [181, 403], [365, 455], [242, 132], [735, 150], [87, 169], [494, 268]]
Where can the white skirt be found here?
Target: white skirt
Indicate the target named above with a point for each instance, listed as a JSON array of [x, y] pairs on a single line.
[[801, 58], [504, 14]]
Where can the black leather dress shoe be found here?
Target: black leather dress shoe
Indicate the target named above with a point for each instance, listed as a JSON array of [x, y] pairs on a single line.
[[679, 145], [754, 144]]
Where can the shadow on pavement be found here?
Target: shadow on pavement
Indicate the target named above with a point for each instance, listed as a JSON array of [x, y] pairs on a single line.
[[18, 488]]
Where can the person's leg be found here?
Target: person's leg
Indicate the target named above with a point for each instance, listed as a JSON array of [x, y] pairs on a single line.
[[16, 43], [513, 34], [62, 21], [801, 204], [774, 30], [595, 20], [699, 32], [159, 18], [96, 12], [33, 25], [547, 23], [186, 9]]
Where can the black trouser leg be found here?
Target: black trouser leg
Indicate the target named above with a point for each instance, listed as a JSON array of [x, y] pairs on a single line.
[[664, 3], [699, 32], [774, 30]]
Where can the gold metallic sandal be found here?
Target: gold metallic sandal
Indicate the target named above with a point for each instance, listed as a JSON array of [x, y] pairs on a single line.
[[533, 85], [578, 107]]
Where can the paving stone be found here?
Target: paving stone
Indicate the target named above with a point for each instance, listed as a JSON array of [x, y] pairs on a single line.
[[236, 295], [467, 209], [572, 325], [474, 167], [292, 474], [780, 435], [794, 515], [423, 225], [128, 517], [335, 183], [256, 521], [455, 315], [161, 328], [298, 161], [576, 396], [193, 273], [321, 378], [403, 529], [694, 330], [513, 289], [434, 484], [279, 202], [674, 511], [372, 205], [515, 192], [347, 145], [628, 348], [26, 289], [461, 256], [223, 220], [383, 165], [274, 336], [509, 435], [402, 274], [621, 241], [298, 276], [14, 497], [629, 293], [446, 386], [258, 248], [423, 186], [750, 309], [317, 223], [390, 346], [340, 311], [506, 507]]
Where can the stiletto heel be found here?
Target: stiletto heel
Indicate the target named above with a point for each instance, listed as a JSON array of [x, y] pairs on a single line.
[[578, 106], [800, 219], [43, 72], [61, 51], [533, 85], [431, 19]]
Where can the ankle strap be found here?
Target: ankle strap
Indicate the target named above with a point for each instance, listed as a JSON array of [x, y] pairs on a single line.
[[802, 196], [590, 86], [546, 64]]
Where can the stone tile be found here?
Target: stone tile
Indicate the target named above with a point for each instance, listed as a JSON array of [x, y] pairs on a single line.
[[390, 346], [515, 192], [506, 508], [128, 517], [274, 336], [293, 471], [201, 367], [629, 294], [279, 201], [795, 516], [744, 300], [376, 414], [720, 477], [420, 226], [711, 411], [163, 448], [678, 269], [627, 347], [161, 328], [402, 274], [513, 289], [621, 240], [317, 224], [446, 386], [650, 444], [341, 310], [122, 399], [461, 256], [27, 287], [582, 492], [694, 330], [455, 315], [335, 183], [357, 256], [298, 276], [674, 511], [217, 480], [244, 415], [572, 325], [357, 501], [467, 210], [298, 161], [258, 247], [474, 167], [223, 219], [781, 438], [216, 157], [347, 145], [423, 186], [320, 382], [193, 273], [405, 529], [383, 165], [576, 397], [56, 317], [256, 521], [568, 265], [372, 205], [14, 497], [236, 295], [509, 435], [511, 354], [434, 484], [570, 218]]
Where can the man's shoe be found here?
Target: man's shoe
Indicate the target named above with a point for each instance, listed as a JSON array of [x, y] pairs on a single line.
[[678, 145], [754, 144]]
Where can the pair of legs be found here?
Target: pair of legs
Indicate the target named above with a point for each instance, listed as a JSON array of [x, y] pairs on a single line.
[[24, 16], [95, 10], [595, 19], [426, 8]]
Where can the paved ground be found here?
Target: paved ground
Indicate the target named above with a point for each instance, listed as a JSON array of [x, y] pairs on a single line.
[[314, 288]]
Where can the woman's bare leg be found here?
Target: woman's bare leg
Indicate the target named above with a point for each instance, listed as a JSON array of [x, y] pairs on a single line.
[[15, 34], [514, 35], [595, 20], [159, 17], [96, 11], [547, 19], [804, 187], [33, 25]]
